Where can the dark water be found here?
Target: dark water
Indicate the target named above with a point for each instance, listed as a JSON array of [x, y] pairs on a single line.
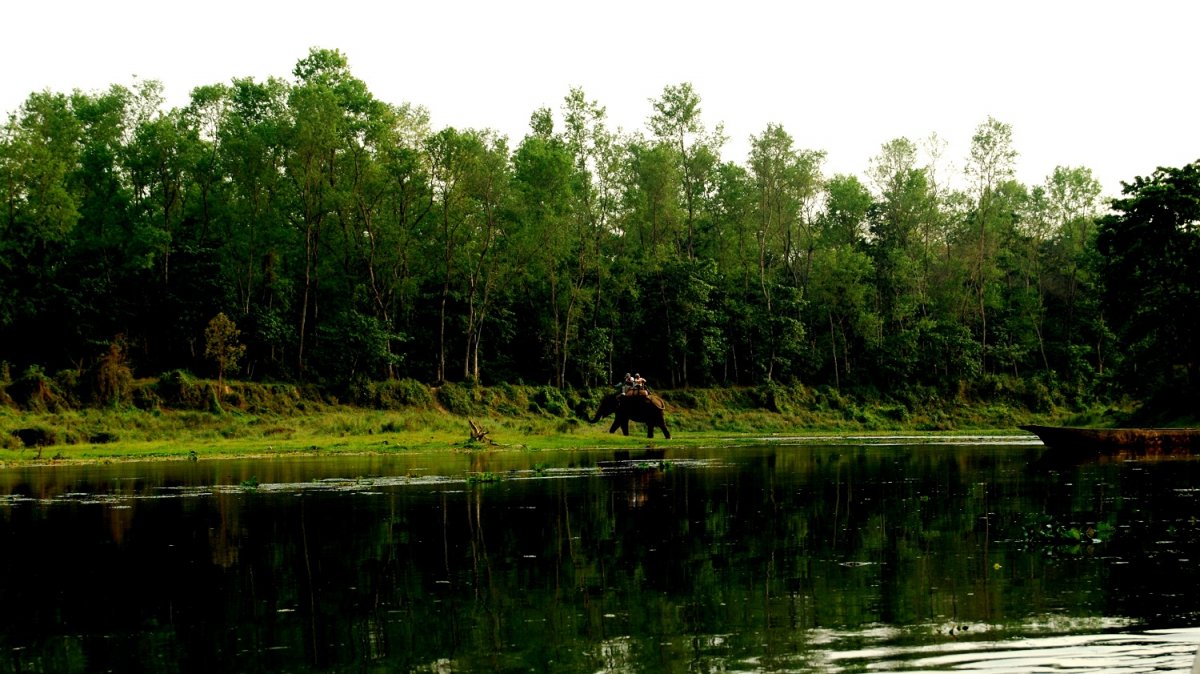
[[922, 555]]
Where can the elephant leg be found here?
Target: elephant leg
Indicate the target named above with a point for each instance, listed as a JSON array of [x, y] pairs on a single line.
[[620, 423]]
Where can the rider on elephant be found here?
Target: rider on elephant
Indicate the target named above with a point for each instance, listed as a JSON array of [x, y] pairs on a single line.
[[626, 385], [639, 385], [633, 385]]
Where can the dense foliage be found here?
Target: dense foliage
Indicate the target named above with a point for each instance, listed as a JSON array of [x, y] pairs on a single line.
[[346, 240], [1149, 257]]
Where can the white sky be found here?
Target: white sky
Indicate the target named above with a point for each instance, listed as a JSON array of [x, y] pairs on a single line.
[[1110, 85]]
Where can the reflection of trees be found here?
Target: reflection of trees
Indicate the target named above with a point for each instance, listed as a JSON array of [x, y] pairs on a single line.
[[669, 568], [224, 539]]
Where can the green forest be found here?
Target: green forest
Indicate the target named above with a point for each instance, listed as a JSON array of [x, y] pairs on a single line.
[[300, 230]]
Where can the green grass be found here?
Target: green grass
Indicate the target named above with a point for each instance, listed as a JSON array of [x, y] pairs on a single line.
[[256, 420]]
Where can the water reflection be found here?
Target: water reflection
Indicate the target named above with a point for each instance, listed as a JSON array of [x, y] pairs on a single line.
[[783, 557]]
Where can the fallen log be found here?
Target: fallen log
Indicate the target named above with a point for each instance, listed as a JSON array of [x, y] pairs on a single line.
[[479, 433]]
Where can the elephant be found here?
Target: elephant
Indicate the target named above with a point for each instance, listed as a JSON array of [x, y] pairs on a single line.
[[646, 409]]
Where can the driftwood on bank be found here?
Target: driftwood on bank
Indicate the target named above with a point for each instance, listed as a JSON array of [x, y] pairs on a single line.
[[479, 433]]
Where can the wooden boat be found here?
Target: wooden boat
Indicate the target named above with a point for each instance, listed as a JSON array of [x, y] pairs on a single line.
[[1150, 440]]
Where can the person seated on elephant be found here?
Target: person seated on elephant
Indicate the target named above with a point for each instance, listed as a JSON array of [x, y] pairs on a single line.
[[639, 385], [626, 385]]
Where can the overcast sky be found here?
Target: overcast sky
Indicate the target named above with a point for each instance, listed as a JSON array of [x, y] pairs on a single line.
[[1108, 85]]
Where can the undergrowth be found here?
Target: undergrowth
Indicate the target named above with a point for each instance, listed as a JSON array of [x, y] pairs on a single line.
[[38, 410]]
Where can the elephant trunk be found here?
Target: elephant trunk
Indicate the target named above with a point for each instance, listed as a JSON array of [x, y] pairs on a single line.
[[607, 406]]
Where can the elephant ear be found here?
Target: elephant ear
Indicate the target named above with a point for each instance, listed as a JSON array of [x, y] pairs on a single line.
[[658, 402]]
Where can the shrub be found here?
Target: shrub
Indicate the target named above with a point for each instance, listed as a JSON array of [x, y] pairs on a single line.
[[1038, 397], [894, 412], [770, 396], [36, 436], [682, 399], [221, 344], [549, 400], [112, 378], [262, 398], [457, 399], [145, 395], [178, 388], [509, 400], [37, 392], [397, 393], [67, 383]]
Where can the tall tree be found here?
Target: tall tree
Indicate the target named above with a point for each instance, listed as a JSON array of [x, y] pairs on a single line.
[[787, 183], [471, 179], [256, 232], [600, 163], [392, 242], [489, 263], [847, 205], [553, 237], [331, 112], [736, 250], [653, 216], [1150, 265], [991, 163], [676, 123], [111, 251], [841, 292], [1073, 196], [38, 153]]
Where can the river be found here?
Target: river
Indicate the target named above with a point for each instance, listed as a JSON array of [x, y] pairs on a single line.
[[946, 553]]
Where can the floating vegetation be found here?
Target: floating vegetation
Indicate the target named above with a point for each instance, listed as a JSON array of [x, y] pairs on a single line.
[[124, 491], [1053, 535]]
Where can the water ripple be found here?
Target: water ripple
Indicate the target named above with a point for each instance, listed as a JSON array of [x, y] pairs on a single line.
[[1148, 651]]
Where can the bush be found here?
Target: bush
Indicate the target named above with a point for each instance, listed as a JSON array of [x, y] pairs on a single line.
[[178, 388], [42, 436], [549, 400], [398, 393], [112, 378], [262, 398], [36, 436], [145, 395], [766, 396], [10, 441], [682, 399], [67, 383], [457, 399], [37, 392], [782, 399], [511, 400], [1038, 397]]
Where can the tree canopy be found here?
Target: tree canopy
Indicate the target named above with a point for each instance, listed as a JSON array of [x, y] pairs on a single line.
[[347, 240], [1149, 260]]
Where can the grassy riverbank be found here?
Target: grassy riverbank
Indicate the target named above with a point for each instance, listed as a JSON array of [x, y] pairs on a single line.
[[179, 417]]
